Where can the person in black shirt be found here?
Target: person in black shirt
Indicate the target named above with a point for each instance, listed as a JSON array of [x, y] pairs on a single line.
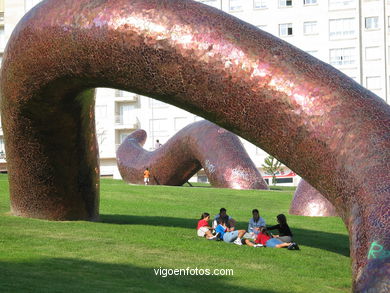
[[230, 222], [285, 234]]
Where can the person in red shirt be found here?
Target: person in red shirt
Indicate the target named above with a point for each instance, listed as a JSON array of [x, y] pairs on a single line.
[[203, 227], [267, 240]]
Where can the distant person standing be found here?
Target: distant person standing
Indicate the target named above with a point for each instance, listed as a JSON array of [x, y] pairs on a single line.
[[146, 176], [157, 145]]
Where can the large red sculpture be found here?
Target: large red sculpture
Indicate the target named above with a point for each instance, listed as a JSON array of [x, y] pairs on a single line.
[[308, 201], [310, 116], [200, 144]]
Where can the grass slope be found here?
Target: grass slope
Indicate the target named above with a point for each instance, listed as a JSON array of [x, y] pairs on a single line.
[[145, 228]]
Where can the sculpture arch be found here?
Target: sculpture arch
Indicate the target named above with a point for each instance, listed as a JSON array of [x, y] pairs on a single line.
[[200, 144], [211, 64]]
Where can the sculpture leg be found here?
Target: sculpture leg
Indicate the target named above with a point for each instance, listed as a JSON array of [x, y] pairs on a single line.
[[52, 152], [308, 201]]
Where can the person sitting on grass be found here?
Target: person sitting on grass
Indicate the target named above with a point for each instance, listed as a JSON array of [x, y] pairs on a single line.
[[285, 234], [228, 234], [204, 228], [229, 221], [255, 222], [265, 239]]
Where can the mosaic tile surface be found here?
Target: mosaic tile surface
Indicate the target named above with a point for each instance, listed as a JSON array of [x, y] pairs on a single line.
[[199, 145], [310, 116], [308, 201]]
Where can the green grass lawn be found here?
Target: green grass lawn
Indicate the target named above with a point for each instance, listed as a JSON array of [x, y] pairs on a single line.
[[146, 228]]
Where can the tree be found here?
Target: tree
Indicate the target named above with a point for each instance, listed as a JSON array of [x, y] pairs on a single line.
[[272, 166], [100, 135]]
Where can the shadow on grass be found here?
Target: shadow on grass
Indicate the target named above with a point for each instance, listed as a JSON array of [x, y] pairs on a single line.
[[75, 275], [333, 242], [336, 243]]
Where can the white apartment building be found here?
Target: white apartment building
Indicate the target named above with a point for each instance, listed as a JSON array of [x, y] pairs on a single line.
[[351, 35]]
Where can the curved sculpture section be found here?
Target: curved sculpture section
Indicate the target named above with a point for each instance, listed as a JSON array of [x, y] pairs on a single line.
[[308, 201], [310, 116], [199, 145]]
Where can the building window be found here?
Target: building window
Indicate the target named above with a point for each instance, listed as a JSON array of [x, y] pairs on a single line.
[[119, 93], [259, 4], [197, 118], [2, 144], [101, 111], [180, 122], [158, 128], [284, 180], [309, 2], [259, 151], [342, 56], [342, 28], [373, 53], [285, 3], [213, 3], [202, 178], [313, 53], [157, 104], [262, 27], [235, 5], [342, 4], [371, 22], [285, 29], [2, 37], [310, 28], [122, 136], [124, 114], [373, 82]]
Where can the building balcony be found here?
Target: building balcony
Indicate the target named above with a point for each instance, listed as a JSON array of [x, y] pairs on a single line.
[[122, 96], [126, 122], [3, 162]]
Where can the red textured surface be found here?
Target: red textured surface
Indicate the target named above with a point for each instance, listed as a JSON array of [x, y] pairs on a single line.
[[310, 116], [199, 145], [308, 201]]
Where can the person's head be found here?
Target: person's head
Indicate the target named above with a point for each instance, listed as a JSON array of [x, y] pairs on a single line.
[[222, 212], [281, 219], [157, 140], [205, 216], [221, 221], [255, 213], [147, 168], [263, 230]]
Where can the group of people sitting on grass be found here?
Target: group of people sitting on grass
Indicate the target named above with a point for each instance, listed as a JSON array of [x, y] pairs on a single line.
[[223, 228]]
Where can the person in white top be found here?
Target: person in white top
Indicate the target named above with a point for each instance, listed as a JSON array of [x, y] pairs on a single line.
[[255, 222], [158, 144]]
